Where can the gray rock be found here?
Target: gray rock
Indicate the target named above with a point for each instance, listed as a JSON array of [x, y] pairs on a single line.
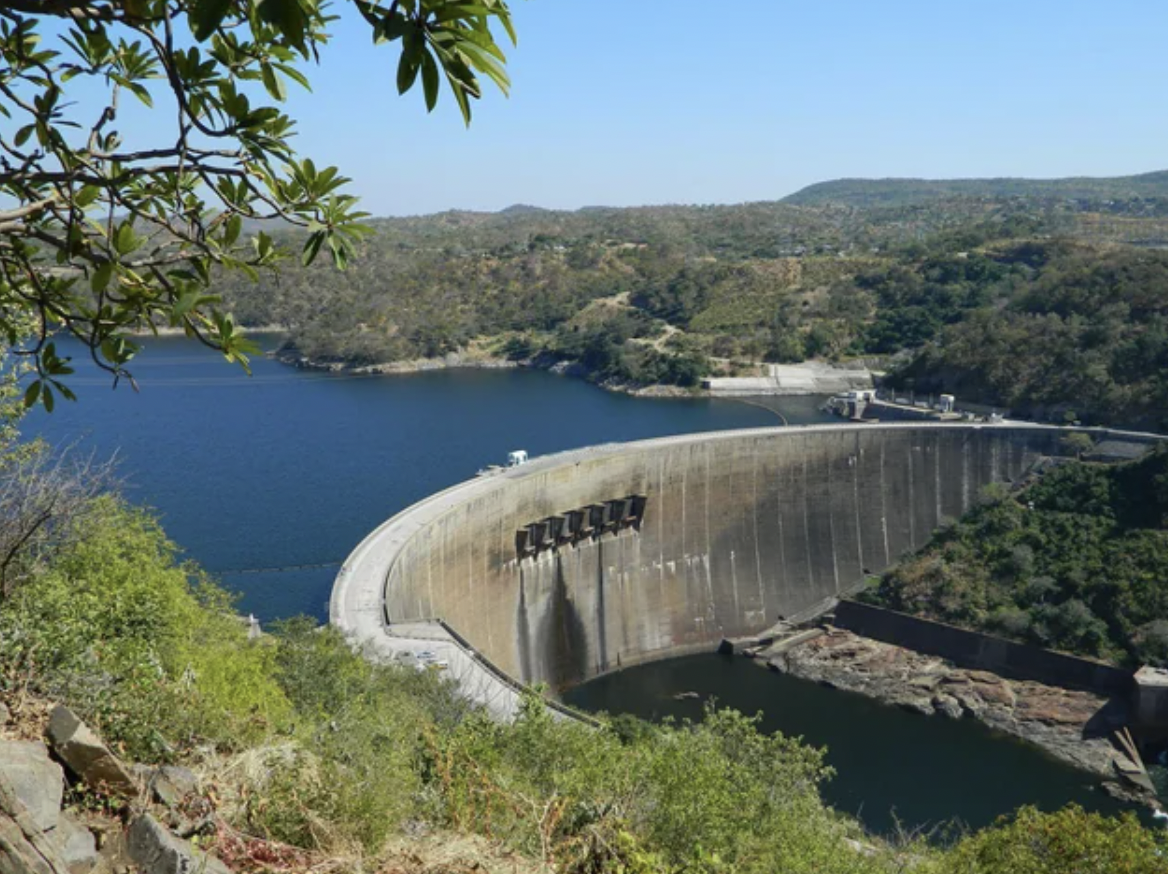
[[5, 714], [157, 851], [970, 703], [36, 779], [77, 845], [86, 756], [949, 706], [917, 705], [171, 785], [19, 854]]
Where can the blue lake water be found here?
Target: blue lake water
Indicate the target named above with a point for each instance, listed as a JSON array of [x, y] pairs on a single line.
[[290, 467]]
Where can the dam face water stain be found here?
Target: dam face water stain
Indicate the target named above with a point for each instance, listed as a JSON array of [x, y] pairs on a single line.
[[894, 769], [565, 646]]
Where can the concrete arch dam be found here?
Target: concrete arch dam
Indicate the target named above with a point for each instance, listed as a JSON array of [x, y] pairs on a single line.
[[584, 562]]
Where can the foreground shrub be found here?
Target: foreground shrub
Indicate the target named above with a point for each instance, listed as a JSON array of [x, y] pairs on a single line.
[[115, 628], [1070, 840], [713, 796]]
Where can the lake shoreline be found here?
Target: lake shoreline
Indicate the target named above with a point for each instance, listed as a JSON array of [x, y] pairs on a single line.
[[169, 331], [472, 361]]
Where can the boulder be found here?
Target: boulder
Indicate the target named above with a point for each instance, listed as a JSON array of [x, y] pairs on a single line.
[[86, 756], [995, 693], [171, 785], [37, 780], [157, 851], [77, 845], [948, 705], [25, 848]]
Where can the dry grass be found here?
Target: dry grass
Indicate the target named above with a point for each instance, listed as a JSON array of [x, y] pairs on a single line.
[[443, 852]]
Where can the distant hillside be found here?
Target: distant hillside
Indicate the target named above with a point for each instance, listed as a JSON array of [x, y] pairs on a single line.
[[522, 209], [869, 193], [666, 294]]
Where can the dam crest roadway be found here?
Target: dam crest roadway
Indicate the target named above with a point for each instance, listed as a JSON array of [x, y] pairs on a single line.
[[588, 561]]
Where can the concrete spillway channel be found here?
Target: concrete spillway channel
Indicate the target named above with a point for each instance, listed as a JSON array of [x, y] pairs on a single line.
[[584, 562]]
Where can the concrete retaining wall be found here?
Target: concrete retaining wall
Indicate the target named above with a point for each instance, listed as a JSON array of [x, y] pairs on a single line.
[[738, 529], [972, 649]]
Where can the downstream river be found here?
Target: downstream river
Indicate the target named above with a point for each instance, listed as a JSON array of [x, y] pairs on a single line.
[[270, 480], [927, 774]]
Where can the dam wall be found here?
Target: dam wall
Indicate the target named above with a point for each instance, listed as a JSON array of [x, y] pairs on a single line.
[[589, 561]]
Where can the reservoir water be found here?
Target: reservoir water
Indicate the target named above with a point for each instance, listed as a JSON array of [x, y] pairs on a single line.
[[289, 468], [893, 768]]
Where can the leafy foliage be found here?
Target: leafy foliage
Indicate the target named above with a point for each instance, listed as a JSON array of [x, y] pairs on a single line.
[[113, 625], [101, 237], [1054, 843], [1086, 331], [1076, 561]]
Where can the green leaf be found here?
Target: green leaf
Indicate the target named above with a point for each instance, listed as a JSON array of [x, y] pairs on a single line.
[[273, 83], [460, 96], [47, 397], [312, 248], [86, 196], [430, 80], [407, 72], [125, 240], [485, 62], [286, 16], [141, 93], [231, 232], [456, 11], [32, 393], [206, 15], [391, 28], [294, 74], [101, 277]]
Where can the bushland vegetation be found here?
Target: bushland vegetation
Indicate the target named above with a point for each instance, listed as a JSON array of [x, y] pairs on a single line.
[[1044, 308], [1075, 561], [1119, 193]]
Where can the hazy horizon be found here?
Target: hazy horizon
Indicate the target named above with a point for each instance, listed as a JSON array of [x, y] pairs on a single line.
[[620, 104], [680, 203]]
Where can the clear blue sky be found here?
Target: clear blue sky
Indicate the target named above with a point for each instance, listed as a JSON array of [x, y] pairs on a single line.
[[624, 102]]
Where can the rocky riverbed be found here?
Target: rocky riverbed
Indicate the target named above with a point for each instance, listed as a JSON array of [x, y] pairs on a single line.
[[1072, 725]]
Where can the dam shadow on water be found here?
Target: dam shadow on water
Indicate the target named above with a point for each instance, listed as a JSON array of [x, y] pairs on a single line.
[[894, 769]]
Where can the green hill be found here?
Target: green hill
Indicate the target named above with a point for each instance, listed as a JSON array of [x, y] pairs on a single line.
[[869, 193], [667, 294]]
